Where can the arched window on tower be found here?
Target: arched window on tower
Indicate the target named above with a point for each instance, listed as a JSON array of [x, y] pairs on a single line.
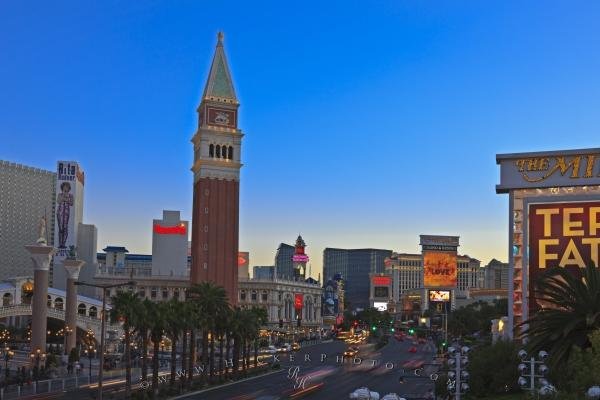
[[230, 153], [218, 151], [224, 151], [211, 150]]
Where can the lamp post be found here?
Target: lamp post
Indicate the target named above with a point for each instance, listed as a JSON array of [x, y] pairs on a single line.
[[90, 351], [67, 330], [102, 324], [8, 354], [457, 375], [533, 373], [37, 355]]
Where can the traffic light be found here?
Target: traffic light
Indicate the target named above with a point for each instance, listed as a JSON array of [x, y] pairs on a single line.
[[411, 331], [373, 328], [392, 329], [444, 344]]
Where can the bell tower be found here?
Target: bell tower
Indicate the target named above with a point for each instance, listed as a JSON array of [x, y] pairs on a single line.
[[217, 162]]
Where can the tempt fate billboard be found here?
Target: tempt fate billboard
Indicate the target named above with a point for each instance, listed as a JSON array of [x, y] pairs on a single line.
[[565, 235]]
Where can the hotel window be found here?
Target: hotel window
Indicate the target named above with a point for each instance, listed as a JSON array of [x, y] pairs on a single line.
[[264, 295], [211, 150], [153, 292], [253, 296], [243, 295], [176, 293], [165, 293]]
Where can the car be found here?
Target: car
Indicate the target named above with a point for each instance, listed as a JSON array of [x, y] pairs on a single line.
[[364, 393], [295, 346], [284, 348], [269, 350], [412, 349], [392, 396], [350, 353]]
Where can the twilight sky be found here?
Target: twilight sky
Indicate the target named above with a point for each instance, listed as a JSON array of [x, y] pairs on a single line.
[[366, 123]]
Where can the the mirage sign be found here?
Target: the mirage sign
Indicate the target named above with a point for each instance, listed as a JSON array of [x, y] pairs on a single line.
[[548, 169]]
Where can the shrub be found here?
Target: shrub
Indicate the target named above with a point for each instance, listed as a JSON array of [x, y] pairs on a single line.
[[493, 369]]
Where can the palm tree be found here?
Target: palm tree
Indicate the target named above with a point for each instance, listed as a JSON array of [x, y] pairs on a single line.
[[211, 301], [124, 308], [222, 327], [570, 312], [174, 326], [259, 319], [142, 324], [237, 334], [157, 313]]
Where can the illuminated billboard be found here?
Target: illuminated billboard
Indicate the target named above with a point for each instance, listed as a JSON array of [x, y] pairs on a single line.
[[381, 280], [298, 301], [380, 305], [381, 291], [562, 235], [439, 295], [439, 269]]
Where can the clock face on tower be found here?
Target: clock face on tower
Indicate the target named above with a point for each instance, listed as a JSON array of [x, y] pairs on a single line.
[[220, 117]]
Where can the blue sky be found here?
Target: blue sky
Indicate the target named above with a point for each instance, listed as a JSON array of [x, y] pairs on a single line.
[[367, 123]]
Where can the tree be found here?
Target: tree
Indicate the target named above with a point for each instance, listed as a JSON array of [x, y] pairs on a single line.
[[174, 327], [570, 313], [141, 322], [211, 302], [259, 319], [493, 369], [124, 308], [582, 371], [157, 313]]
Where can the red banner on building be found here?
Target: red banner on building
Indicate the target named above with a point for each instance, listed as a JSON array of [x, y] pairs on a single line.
[[298, 301], [170, 230]]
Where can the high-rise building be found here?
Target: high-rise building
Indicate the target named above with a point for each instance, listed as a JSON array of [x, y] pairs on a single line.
[[263, 272], [68, 212], [243, 265], [354, 265], [26, 195], [217, 163], [496, 275], [169, 245], [284, 266]]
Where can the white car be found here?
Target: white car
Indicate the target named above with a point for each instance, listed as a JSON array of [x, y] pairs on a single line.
[[285, 348], [364, 393], [392, 396], [269, 350]]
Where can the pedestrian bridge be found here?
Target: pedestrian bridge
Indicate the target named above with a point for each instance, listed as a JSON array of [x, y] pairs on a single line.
[[84, 322]]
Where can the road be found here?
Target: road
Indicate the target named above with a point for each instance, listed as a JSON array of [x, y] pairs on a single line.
[[380, 371]]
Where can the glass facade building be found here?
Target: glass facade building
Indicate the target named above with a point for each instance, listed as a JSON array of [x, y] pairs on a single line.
[[354, 265]]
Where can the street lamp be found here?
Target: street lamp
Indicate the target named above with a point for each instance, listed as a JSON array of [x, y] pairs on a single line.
[[67, 330], [458, 375], [8, 354], [530, 375], [90, 351], [102, 324], [37, 355]]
